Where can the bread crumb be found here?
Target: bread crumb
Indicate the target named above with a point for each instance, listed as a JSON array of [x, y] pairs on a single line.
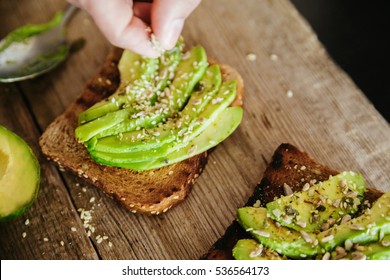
[[251, 57]]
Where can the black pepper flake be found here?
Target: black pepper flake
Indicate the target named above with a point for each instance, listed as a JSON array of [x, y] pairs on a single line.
[[321, 208]]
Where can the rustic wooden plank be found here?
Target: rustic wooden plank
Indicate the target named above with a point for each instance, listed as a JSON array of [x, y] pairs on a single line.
[[48, 224], [326, 115]]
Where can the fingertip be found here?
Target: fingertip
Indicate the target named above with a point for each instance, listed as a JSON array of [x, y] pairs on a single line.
[[168, 36]]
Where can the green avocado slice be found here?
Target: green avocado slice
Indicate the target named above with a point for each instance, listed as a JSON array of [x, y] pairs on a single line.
[[283, 240], [188, 73], [223, 99], [19, 175], [167, 132], [369, 227], [225, 123]]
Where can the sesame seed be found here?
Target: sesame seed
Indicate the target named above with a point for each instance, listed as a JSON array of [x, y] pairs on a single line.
[[73, 229], [27, 222], [24, 234], [358, 256], [301, 224], [257, 252], [327, 238], [306, 236], [348, 244], [62, 243], [306, 187], [262, 233], [326, 256], [251, 57], [46, 239], [92, 200], [257, 204], [274, 57], [290, 93], [287, 189]]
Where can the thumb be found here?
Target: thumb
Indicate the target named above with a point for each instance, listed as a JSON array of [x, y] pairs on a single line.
[[168, 18]]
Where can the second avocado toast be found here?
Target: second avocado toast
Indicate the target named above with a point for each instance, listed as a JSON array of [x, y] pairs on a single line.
[[346, 220]]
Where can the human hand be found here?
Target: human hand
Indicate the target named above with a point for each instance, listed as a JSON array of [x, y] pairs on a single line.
[[127, 23]]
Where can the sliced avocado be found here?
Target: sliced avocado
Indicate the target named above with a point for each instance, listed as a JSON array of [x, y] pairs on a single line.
[[379, 250], [188, 73], [88, 130], [220, 129], [167, 66], [309, 209], [366, 228], [225, 124], [19, 175], [283, 240], [167, 132], [136, 72], [137, 75], [249, 249], [225, 96]]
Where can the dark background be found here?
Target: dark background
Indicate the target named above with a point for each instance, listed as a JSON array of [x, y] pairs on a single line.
[[356, 35]]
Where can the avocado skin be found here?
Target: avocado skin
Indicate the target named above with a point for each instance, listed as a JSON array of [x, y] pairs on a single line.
[[244, 249], [319, 200], [34, 161], [283, 240], [366, 228]]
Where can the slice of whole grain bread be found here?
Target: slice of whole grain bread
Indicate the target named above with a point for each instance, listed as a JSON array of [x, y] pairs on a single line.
[[148, 192], [289, 170]]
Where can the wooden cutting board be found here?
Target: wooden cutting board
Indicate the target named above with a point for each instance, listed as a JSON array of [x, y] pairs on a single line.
[[294, 93]]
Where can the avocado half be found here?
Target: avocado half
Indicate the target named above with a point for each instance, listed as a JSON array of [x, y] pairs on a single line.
[[19, 175]]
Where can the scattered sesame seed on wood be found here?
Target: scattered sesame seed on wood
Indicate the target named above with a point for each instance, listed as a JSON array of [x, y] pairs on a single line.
[[251, 57]]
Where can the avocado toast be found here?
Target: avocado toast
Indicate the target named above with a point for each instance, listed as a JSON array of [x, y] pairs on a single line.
[[150, 182], [259, 233]]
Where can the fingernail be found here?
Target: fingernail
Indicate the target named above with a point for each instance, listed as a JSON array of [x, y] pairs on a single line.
[[172, 33]]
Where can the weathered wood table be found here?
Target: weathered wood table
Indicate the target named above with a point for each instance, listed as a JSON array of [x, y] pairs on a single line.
[[294, 93]]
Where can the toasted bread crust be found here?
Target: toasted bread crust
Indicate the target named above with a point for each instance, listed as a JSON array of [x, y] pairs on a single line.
[[148, 192], [289, 166]]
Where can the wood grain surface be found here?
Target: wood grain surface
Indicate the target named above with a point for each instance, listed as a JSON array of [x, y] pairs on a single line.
[[294, 93]]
